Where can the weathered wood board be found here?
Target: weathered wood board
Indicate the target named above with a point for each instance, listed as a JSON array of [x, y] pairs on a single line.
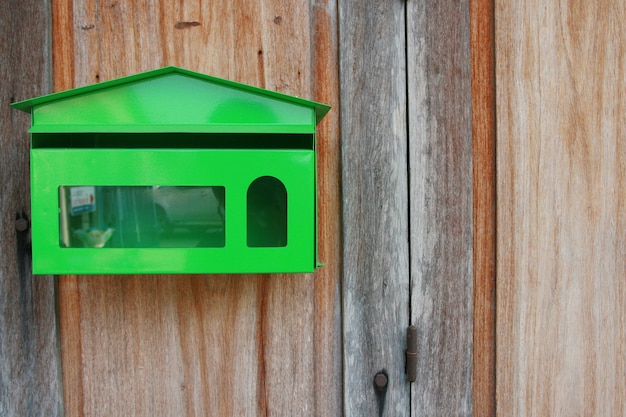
[[561, 217], [207, 345], [440, 168], [375, 208], [29, 356]]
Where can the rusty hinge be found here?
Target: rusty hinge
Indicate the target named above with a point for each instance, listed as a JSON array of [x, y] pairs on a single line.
[[411, 353]]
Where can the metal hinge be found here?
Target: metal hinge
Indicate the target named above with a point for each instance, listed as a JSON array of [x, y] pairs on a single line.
[[411, 353]]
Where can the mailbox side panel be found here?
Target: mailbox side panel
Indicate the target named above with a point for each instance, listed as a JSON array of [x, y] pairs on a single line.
[[234, 170]]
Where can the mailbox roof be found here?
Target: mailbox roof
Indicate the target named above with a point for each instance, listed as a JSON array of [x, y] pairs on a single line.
[[172, 99]]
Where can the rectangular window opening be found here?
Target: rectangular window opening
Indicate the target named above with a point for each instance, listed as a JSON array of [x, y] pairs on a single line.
[[142, 216]]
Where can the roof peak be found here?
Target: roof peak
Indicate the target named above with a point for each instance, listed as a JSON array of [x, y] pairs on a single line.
[[28, 105]]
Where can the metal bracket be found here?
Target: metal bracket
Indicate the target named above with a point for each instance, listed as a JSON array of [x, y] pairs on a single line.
[[411, 353]]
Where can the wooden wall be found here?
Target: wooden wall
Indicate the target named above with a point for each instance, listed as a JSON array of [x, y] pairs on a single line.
[[207, 345], [561, 155], [402, 177]]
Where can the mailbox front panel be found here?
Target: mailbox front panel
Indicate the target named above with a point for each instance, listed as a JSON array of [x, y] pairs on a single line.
[[98, 211]]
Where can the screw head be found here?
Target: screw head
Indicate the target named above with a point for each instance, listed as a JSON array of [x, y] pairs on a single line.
[[21, 225]]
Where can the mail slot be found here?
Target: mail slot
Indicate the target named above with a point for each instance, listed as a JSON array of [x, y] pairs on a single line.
[[173, 171]]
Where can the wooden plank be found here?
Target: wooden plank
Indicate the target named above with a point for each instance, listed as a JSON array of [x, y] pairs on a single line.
[[63, 46], [484, 207], [375, 206], [440, 149], [208, 345], [30, 358], [327, 286], [561, 157]]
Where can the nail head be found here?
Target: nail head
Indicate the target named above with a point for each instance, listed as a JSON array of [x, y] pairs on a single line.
[[381, 380]]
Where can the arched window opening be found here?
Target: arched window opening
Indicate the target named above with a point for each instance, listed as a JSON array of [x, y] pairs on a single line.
[[267, 213]]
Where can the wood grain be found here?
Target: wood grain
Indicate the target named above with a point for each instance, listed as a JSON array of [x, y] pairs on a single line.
[[327, 286], [484, 206], [29, 354], [62, 46], [208, 345], [440, 165], [561, 157], [375, 206]]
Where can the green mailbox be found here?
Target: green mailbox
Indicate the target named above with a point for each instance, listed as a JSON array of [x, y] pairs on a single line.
[[172, 171]]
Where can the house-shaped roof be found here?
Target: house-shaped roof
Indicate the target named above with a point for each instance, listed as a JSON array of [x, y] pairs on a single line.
[[172, 99]]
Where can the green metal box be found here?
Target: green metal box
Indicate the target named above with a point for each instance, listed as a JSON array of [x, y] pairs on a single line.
[[172, 171]]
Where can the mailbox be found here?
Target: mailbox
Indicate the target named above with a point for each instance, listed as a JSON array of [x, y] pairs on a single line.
[[172, 171]]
